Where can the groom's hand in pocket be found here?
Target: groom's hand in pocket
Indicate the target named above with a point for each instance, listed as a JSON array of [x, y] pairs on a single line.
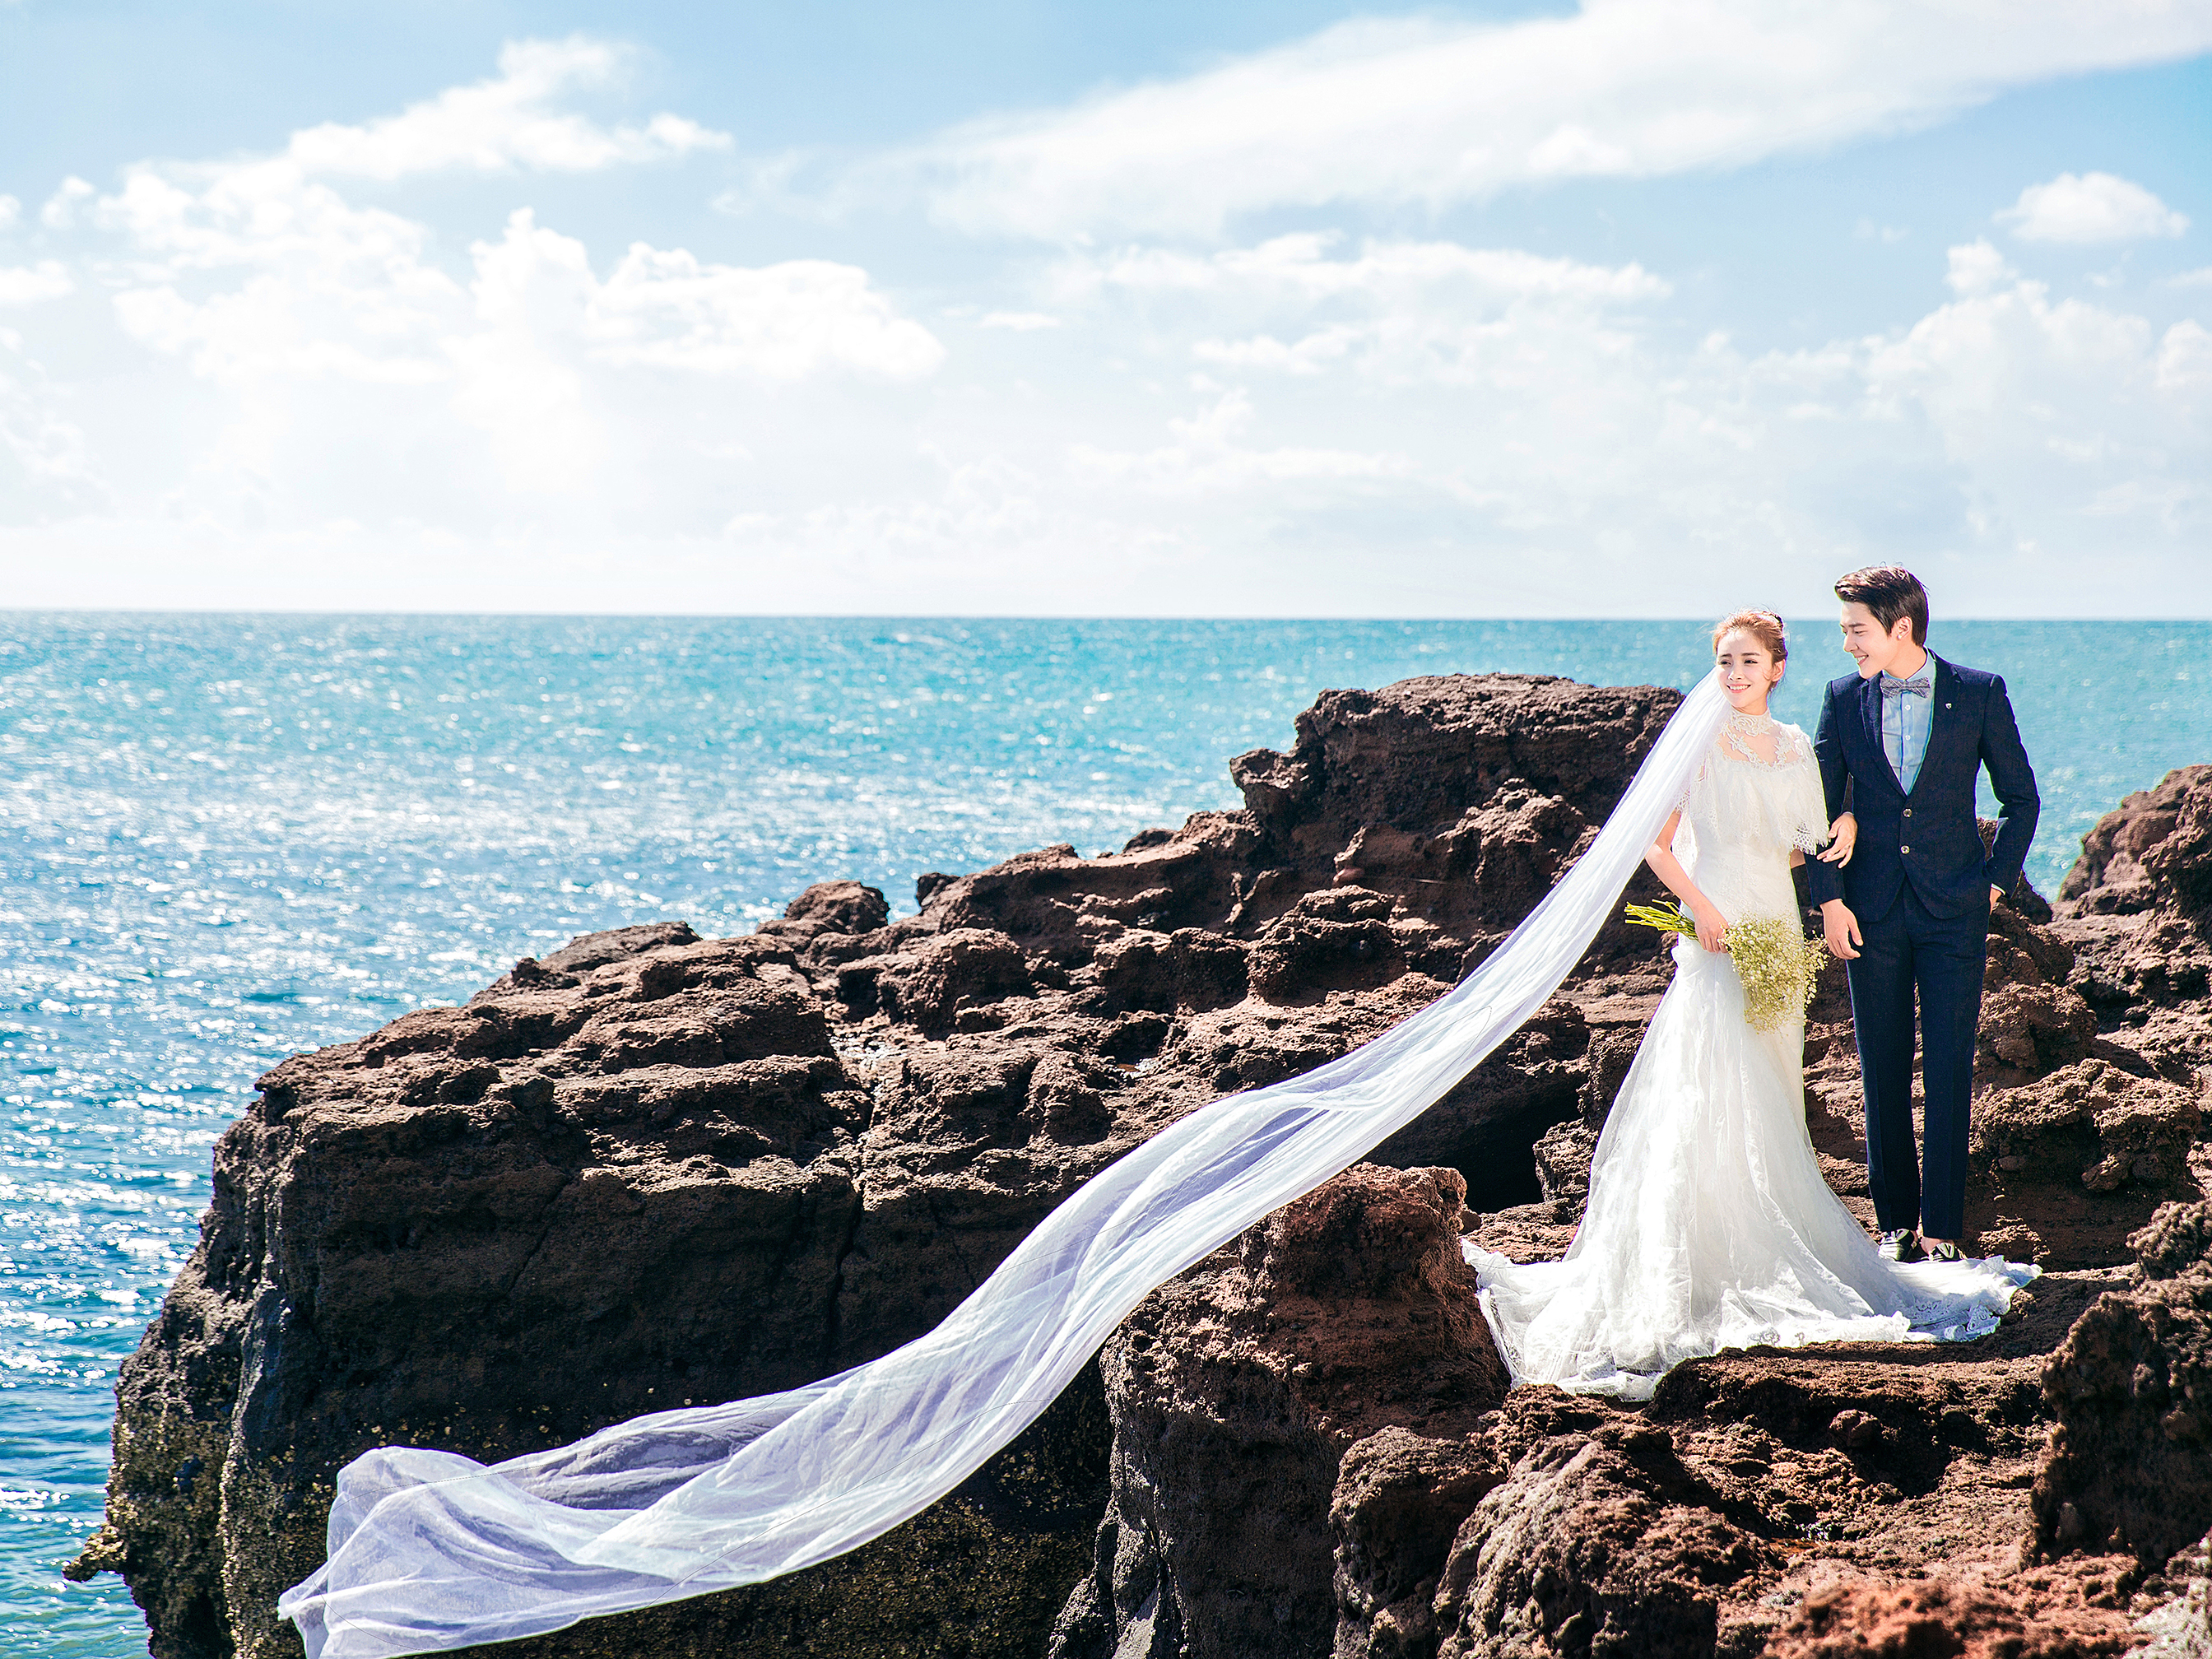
[[1842, 929]]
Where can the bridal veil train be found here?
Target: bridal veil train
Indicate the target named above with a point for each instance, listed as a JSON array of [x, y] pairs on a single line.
[[430, 1551]]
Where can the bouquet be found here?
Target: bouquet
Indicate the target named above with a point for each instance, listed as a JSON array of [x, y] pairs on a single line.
[[1780, 967]]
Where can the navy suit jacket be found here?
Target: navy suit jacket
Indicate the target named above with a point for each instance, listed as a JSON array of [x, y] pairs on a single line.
[[1931, 837]]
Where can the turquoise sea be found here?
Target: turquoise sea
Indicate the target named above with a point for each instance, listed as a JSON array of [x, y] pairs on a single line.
[[223, 839]]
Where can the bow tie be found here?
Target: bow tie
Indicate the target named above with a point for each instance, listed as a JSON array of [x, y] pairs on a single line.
[[1919, 686]]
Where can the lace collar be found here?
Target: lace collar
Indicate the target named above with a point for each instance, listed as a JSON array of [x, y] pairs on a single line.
[[1743, 735]]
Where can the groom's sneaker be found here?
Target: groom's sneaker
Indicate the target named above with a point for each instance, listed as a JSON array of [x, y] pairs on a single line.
[[1942, 1250], [1899, 1244]]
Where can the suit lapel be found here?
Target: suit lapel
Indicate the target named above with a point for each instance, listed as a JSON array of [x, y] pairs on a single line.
[[1943, 687], [1869, 696]]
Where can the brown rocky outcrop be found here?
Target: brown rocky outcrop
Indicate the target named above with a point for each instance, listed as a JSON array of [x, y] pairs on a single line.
[[634, 1175], [2095, 1038], [1939, 1619], [1698, 1524], [2064, 1168], [1598, 1541], [1798, 1503], [654, 1168], [2112, 876], [2138, 909], [1238, 1390], [2130, 1464], [2033, 1022], [1399, 1501]]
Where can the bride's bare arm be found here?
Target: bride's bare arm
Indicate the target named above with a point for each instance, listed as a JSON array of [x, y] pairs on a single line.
[[1712, 927]]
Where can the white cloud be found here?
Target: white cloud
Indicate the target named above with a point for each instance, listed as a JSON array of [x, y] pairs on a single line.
[[1299, 267], [308, 400], [315, 285], [48, 449], [536, 363], [344, 292], [1206, 454], [258, 271], [1976, 268], [1300, 426], [1547, 425], [534, 371], [2076, 428], [335, 369], [10, 211], [1577, 459], [785, 321], [508, 122], [23, 285], [2185, 358], [1397, 313], [2090, 207], [60, 211], [331, 287], [1428, 111]]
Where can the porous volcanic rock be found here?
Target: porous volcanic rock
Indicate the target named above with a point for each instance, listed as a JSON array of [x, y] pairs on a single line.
[[1399, 1501], [2130, 1463], [627, 1177], [1238, 1390], [1803, 1499], [1698, 1525], [2110, 877], [2096, 1038], [2181, 1627], [1598, 1541], [1463, 798], [654, 1168], [2033, 1022], [1938, 1618], [2137, 908], [2063, 1169]]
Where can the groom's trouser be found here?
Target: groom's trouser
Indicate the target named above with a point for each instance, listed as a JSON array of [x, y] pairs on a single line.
[[1908, 951]]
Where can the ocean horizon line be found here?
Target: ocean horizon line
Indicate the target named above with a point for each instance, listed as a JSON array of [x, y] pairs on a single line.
[[1940, 619]]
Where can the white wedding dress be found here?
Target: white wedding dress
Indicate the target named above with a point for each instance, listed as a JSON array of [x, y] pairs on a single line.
[[1708, 1225]]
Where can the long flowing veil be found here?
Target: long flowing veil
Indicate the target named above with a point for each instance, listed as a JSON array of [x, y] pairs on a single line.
[[431, 1550]]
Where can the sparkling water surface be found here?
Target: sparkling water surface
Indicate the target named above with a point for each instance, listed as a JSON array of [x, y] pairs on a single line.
[[224, 839]]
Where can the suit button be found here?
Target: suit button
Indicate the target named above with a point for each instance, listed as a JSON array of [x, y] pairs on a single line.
[[1905, 849], [1908, 811]]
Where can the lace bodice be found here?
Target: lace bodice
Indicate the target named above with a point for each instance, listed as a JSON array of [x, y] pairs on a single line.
[[1758, 790]]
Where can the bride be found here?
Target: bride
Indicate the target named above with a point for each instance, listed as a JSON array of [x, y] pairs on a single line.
[[1709, 1224]]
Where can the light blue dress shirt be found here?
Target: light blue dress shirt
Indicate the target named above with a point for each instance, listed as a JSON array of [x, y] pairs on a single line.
[[1906, 721]]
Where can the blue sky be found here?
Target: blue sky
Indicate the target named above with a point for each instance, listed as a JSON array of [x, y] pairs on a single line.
[[1643, 307]]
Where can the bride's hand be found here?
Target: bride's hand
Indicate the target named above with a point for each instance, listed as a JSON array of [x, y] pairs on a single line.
[[1712, 928], [1843, 835]]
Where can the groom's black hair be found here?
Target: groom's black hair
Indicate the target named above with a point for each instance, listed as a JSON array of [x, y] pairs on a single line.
[[1889, 591]]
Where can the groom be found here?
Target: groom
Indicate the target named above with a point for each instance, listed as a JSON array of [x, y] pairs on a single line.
[[1908, 907]]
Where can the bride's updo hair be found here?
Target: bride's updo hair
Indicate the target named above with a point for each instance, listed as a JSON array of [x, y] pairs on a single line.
[[1762, 625]]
